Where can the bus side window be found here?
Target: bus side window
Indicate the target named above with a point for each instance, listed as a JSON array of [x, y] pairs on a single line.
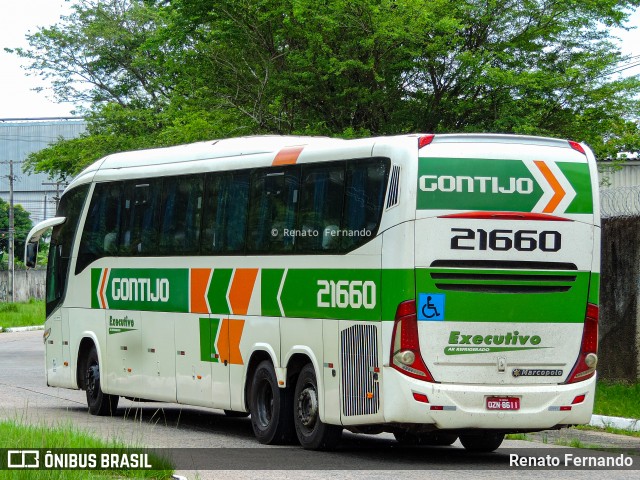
[[320, 213], [364, 199], [225, 213], [273, 209], [180, 215], [102, 226], [139, 226]]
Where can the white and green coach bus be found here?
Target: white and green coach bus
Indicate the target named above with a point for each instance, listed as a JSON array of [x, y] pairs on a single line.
[[432, 286]]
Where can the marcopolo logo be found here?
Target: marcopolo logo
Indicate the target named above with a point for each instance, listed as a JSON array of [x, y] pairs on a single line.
[[449, 183], [462, 343]]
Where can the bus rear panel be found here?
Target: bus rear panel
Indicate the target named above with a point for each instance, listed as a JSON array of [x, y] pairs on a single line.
[[502, 333]]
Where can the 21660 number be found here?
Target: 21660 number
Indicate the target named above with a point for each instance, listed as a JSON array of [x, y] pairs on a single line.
[[503, 240]]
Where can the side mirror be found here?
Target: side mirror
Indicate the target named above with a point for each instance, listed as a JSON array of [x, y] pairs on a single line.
[[31, 243], [31, 254]]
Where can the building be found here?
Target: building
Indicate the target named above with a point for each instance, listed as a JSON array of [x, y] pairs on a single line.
[[19, 137]]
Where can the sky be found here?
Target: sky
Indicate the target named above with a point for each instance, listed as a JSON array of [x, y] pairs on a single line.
[[17, 98]]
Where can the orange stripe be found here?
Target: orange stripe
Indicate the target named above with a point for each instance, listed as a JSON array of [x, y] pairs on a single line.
[[222, 345], [228, 345], [235, 334], [241, 290], [104, 280], [287, 156], [555, 185], [199, 284]]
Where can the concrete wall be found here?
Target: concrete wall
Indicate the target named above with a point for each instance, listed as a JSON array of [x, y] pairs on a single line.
[[619, 348], [27, 284]]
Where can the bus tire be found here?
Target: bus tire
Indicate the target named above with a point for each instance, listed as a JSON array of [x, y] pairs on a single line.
[[270, 407], [433, 439], [482, 442], [312, 433], [99, 403]]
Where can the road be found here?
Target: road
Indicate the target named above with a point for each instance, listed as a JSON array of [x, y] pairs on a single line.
[[25, 396]]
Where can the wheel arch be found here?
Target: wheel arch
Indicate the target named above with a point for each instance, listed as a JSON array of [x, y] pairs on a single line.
[[87, 342], [258, 355]]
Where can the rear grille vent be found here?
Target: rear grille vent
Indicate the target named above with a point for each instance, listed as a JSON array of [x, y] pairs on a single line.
[[360, 388], [491, 277], [394, 187]]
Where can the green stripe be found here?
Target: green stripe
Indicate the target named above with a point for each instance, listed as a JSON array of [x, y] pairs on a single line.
[[218, 290], [270, 283], [594, 289], [208, 332], [579, 176], [549, 307], [95, 285]]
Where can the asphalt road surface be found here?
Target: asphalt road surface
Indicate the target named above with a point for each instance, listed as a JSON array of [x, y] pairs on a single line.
[[230, 442]]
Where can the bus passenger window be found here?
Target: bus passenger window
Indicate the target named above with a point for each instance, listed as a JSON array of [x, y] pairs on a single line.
[[365, 191], [272, 216], [180, 215], [225, 213], [320, 211], [139, 231]]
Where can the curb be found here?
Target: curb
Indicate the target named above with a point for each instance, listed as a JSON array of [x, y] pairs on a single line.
[[603, 421], [22, 329]]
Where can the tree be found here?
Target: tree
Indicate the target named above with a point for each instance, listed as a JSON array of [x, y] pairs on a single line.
[[22, 225], [159, 73]]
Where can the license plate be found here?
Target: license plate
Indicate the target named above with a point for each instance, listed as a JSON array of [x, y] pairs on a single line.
[[503, 403]]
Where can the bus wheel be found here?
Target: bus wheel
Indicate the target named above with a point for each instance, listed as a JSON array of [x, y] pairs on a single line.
[[100, 403], [312, 433], [270, 406], [482, 442], [438, 439]]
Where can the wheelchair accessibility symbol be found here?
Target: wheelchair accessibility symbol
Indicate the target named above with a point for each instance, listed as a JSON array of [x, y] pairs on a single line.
[[431, 306]]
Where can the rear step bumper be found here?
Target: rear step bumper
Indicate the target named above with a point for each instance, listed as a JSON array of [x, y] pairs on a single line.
[[464, 406]]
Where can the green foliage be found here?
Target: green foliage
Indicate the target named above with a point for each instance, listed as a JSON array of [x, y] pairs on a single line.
[[22, 314], [22, 225], [617, 399], [160, 73]]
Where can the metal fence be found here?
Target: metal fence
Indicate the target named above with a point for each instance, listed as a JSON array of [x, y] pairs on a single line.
[[620, 202]]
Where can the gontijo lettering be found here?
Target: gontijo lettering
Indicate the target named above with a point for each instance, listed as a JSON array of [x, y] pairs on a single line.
[[459, 183], [140, 289]]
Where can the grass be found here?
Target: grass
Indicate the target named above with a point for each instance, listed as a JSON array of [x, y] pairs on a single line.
[[617, 399], [23, 314], [15, 435], [616, 431]]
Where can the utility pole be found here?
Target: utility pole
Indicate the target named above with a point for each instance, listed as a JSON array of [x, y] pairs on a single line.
[[57, 197], [11, 260]]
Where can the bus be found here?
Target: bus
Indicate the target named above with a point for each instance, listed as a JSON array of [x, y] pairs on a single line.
[[436, 287]]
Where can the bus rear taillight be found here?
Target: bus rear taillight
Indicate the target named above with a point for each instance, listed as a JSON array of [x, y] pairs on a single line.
[[405, 344], [588, 359], [425, 140]]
